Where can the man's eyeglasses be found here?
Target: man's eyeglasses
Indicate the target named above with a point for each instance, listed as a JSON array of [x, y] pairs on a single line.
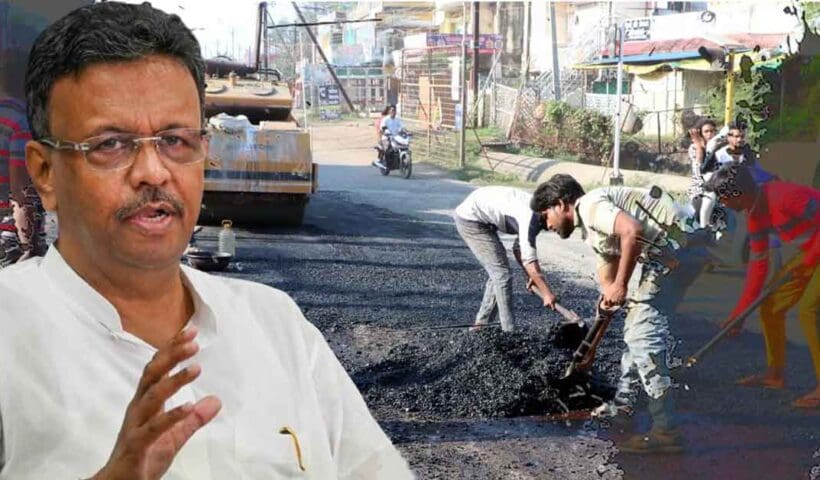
[[737, 135], [114, 151]]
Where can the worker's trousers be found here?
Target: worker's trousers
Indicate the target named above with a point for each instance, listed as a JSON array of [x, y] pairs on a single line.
[[483, 241], [803, 289], [645, 359]]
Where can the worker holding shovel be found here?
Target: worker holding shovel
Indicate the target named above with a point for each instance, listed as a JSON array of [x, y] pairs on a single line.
[[625, 226], [479, 218], [791, 211]]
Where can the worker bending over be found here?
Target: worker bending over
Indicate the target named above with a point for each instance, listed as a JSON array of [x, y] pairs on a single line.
[[625, 226], [791, 212], [479, 218]]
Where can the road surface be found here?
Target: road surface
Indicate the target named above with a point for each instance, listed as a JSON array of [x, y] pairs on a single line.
[[378, 258]]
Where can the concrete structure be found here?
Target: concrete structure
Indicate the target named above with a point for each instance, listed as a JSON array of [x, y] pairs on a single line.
[[363, 52], [666, 75], [354, 44], [585, 32]]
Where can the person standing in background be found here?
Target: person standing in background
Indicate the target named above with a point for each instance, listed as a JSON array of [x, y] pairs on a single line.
[[22, 232], [700, 135]]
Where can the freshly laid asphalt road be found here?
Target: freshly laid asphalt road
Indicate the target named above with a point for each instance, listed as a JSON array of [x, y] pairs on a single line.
[[378, 260]]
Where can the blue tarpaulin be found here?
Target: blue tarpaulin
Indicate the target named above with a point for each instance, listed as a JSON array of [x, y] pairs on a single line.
[[646, 58]]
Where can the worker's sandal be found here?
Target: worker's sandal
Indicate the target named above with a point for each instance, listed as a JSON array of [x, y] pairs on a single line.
[[654, 441], [807, 402]]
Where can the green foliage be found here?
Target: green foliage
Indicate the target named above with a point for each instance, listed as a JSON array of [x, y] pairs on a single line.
[[798, 120], [778, 104], [750, 108], [574, 132], [480, 175], [556, 111]]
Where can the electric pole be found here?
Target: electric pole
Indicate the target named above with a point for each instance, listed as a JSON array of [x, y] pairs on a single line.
[[556, 71]]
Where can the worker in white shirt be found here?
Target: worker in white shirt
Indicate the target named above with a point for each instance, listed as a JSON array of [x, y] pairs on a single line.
[[125, 364], [479, 218]]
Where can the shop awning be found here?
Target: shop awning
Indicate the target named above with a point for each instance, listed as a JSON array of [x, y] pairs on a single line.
[[645, 57], [642, 65]]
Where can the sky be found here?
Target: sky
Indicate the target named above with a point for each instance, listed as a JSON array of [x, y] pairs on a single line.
[[214, 21]]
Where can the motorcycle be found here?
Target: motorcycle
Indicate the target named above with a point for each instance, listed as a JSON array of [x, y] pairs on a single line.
[[398, 155]]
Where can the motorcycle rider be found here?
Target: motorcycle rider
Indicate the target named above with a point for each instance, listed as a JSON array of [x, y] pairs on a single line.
[[390, 125], [385, 114]]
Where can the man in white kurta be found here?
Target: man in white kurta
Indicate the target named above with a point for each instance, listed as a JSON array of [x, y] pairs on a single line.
[[68, 371], [126, 365]]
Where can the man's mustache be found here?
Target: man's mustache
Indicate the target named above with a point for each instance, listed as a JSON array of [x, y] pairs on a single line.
[[150, 195]]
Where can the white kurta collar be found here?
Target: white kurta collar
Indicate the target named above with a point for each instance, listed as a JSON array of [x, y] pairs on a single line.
[[77, 291]]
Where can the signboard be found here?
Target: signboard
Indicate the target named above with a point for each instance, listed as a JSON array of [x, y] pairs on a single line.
[[326, 114], [329, 102], [637, 29], [487, 43], [329, 95]]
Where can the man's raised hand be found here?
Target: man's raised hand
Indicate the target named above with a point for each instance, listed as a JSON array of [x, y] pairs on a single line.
[[151, 437]]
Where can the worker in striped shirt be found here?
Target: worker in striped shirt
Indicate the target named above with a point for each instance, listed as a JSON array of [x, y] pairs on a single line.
[[21, 214], [790, 211]]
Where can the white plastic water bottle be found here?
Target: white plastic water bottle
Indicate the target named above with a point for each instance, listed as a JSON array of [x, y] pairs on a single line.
[[227, 238]]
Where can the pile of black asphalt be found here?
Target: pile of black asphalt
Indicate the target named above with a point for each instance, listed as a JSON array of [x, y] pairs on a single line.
[[373, 281], [488, 373]]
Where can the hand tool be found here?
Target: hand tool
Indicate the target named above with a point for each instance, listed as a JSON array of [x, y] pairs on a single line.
[[568, 314], [465, 325], [768, 290], [584, 356]]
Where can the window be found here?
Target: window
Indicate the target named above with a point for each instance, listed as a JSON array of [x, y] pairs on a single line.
[[679, 7]]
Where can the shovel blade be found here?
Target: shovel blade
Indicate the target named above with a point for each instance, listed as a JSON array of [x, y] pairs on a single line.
[[569, 372]]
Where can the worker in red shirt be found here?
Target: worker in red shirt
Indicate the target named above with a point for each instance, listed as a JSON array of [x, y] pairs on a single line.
[[792, 212]]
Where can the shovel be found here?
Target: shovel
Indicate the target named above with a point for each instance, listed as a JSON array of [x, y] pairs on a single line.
[[465, 325], [774, 285], [572, 330], [573, 327], [568, 314], [584, 356]]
